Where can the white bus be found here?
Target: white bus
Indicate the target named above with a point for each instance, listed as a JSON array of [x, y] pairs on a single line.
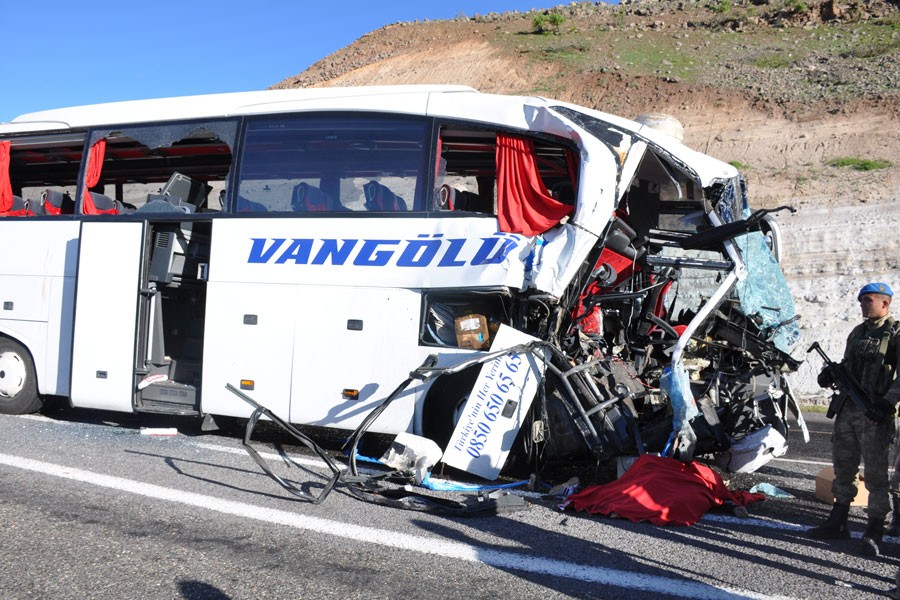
[[312, 247]]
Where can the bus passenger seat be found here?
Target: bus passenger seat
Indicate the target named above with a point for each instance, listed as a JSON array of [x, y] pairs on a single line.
[[19, 208], [446, 198], [104, 204], [56, 203], [471, 202], [308, 198], [245, 205], [454, 199], [380, 198]]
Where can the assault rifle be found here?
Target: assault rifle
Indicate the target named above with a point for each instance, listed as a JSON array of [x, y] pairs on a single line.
[[849, 387]]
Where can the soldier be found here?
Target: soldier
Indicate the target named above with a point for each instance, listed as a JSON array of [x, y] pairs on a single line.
[[871, 356]]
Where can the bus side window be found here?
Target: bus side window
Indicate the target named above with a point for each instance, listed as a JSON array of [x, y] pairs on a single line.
[[335, 163], [43, 172], [466, 171], [157, 168]]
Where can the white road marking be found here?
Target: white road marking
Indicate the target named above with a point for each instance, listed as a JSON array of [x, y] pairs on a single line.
[[802, 462], [392, 539], [294, 458]]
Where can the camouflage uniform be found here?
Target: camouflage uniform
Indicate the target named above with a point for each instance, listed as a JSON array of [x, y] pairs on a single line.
[[856, 437], [871, 357]]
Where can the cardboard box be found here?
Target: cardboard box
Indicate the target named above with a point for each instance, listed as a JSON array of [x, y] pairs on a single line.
[[823, 488], [472, 332]]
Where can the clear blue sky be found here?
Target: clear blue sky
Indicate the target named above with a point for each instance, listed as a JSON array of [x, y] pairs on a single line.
[[60, 53]]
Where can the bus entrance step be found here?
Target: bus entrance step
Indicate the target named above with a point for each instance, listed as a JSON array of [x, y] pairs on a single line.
[[168, 397]]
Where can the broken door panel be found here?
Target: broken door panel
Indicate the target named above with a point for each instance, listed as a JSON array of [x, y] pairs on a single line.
[[496, 408]]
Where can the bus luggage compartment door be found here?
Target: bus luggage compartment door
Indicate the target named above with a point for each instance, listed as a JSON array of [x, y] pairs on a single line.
[[106, 296]]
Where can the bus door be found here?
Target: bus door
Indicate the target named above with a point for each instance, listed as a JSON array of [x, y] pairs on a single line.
[[106, 298], [171, 317]]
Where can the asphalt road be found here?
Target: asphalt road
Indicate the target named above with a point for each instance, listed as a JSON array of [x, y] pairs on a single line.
[[93, 508]]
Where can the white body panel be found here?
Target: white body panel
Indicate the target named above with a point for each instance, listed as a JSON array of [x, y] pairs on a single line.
[[287, 325], [37, 288], [234, 350], [373, 360], [294, 342], [106, 315], [368, 252]]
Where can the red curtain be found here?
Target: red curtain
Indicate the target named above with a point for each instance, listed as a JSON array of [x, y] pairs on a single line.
[[92, 178], [523, 203], [6, 194]]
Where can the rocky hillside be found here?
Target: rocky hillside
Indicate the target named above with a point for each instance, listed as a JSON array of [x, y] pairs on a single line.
[[781, 88]]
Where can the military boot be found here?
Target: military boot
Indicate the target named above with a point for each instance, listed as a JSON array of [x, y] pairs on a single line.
[[835, 526], [894, 529], [872, 537]]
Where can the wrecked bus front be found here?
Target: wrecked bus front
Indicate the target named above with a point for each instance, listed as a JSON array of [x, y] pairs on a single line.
[[660, 318]]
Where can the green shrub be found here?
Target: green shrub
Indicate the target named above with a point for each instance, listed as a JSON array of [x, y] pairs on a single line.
[[720, 6], [859, 164], [543, 23], [556, 20]]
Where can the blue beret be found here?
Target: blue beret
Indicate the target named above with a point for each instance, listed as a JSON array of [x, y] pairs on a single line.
[[875, 288]]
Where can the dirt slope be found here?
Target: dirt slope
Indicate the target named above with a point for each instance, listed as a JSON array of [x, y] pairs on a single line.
[[779, 86]]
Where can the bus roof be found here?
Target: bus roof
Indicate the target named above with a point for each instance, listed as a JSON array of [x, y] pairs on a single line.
[[214, 105]]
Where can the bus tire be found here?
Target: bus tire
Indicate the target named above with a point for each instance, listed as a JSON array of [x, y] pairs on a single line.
[[444, 402], [18, 381]]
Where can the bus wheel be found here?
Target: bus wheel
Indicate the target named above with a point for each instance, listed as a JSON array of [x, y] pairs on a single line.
[[444, 403], [18, 384]]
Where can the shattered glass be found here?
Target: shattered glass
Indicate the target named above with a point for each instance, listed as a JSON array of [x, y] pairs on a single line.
[[764, 294], [165, 136]]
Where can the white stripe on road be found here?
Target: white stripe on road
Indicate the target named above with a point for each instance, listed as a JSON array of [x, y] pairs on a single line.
[[414, 543], [802, 462]]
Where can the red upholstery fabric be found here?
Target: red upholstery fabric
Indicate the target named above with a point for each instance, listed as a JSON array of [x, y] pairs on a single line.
[[56, 203], [19, 208], [92, 178], [311, 199], [662, 491], [523, 203]]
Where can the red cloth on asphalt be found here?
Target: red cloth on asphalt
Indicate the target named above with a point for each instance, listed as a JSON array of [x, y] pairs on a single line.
[[662, 491]]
